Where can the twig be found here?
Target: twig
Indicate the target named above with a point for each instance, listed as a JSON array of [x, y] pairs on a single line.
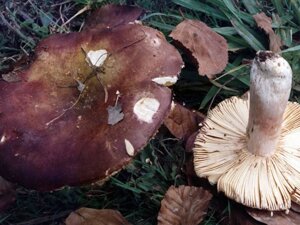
[[17, 31], [86, 8]]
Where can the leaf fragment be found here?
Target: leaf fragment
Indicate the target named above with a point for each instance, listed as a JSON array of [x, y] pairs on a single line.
[[182, 122], [183, 205], [88, 216], [115, 114], [206, 46], [265, 23]]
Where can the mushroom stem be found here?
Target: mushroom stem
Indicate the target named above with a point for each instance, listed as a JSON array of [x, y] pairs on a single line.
[[270, 85]]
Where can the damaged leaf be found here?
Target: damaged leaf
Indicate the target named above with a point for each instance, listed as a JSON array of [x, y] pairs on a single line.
[[184, 205], [183, 122], [88, 216], [11, 77], [264, 22], [115, 114], [208, 48]]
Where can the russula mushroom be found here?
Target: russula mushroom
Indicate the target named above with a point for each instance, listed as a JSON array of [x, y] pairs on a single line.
[[55, 125], [251, 148]]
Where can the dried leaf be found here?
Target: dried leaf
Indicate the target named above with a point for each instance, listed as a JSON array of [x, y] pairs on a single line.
[[80, 86], [184, 205], [182, 122], [88, 216], [190, 142], [275, 218], [115, 114], [207, 47], [265, 23], [7, 194], [11, 77]]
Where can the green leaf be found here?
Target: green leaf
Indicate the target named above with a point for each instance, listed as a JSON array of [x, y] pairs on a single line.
[[251, 6], [225, 30], [210, 94], [292, 49], [201, 7], [245, 33]]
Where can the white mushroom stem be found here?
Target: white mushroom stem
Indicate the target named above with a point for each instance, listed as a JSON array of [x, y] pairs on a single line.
[[270, 85]]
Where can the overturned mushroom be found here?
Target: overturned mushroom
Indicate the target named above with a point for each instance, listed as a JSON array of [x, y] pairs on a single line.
[[251, 148], [54, 123]]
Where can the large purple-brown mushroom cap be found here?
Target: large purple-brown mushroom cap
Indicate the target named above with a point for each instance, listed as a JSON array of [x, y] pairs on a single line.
[[55, 128]]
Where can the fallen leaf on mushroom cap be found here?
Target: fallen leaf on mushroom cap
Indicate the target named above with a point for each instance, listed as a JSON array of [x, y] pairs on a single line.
[[275, 218], [7, 194], [207, 47], [11, 77], [112, 15], [265, 23], [53, 134], [182, 122], [88, 216], [184, 205]]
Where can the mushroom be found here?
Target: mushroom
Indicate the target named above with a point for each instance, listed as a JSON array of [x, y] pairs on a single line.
[[250, 148], [73, 119]]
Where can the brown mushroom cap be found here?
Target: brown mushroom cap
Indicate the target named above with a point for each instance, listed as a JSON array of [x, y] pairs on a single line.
[[53, 133], [260, 182]]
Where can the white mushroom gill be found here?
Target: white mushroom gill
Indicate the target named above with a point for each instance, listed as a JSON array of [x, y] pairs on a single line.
[[251, 148]]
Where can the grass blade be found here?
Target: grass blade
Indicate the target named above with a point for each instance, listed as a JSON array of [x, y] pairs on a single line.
[[201, 7], [247, 35]]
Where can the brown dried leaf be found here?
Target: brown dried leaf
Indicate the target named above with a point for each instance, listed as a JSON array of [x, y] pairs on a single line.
[[278, 218], [88, 216], [184, 205], [190, 142], [265, 23], [182, 122], [7, 194], [110, 16], [207, 47], [11, 77]]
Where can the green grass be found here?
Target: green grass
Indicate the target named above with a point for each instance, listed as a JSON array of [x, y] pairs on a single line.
[[138, 190]]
